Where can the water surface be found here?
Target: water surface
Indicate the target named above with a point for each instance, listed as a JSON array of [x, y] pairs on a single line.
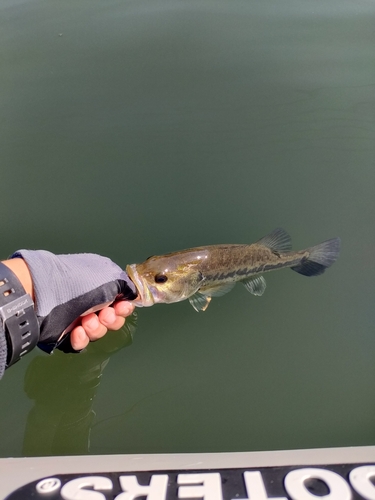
[[132, 128]]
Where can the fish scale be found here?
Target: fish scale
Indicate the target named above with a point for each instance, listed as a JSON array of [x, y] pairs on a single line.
[[252, 260], [200, 273]]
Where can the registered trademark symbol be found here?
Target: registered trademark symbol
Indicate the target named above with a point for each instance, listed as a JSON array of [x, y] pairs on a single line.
[[48, 485]]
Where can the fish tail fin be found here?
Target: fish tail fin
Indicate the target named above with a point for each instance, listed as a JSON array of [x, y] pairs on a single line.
[[320, 257]]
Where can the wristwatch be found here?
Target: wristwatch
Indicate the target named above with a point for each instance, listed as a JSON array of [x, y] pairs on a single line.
[[17, 316]]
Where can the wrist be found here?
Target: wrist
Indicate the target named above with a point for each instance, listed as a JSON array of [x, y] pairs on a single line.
[[20, 269], [17, 315]]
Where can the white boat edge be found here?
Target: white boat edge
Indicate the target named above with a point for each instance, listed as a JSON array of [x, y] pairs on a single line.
[[16, 472]]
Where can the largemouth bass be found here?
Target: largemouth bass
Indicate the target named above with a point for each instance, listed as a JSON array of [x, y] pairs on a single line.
[[198, 274]]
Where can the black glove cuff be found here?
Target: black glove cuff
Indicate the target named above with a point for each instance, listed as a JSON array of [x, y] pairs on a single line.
[[17, 315]]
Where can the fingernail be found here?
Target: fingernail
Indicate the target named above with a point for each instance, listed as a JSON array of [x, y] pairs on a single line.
[[126, 308]]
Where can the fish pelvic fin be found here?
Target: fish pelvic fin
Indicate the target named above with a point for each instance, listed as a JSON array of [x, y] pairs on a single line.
[[320, 258], [201, 299], [200, 302], [278, 241], [255, 285]]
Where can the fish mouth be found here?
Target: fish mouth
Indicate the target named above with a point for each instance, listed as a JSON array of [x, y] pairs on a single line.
[[145, 297]]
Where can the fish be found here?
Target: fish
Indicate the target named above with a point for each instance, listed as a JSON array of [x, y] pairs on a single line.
[[200, 273]]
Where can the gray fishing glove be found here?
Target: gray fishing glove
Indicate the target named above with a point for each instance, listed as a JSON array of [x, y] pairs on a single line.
[[66, 286]]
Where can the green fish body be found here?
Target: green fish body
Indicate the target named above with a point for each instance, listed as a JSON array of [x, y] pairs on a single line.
[[200, 273]]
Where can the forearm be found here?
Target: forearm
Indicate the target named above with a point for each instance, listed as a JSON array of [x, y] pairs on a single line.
[[19, 328], [20, 269]]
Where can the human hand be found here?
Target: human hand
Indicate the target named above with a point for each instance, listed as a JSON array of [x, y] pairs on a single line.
[[69, 289], [94, 326]]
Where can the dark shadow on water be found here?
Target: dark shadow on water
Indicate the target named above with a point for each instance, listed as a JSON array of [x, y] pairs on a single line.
[[63, 388]]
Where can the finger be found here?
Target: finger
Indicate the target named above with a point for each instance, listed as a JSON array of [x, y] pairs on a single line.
[[93, 327], [110, 319], [123, 308], [78, 338]]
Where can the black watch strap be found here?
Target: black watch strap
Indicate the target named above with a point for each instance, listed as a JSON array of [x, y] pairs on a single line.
[[17, 315]]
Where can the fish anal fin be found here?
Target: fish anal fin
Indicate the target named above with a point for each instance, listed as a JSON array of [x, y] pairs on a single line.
[[278, 241], [255, 285], [200, 302]]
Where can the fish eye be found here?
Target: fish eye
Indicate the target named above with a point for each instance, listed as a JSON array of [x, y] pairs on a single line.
[[161, 278]]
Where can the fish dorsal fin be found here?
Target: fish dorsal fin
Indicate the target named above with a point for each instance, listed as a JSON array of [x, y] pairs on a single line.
[[255, 285], [218, 290], [279, 240], [199, 302]]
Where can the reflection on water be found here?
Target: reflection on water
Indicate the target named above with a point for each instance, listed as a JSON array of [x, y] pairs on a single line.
[[63, 388]]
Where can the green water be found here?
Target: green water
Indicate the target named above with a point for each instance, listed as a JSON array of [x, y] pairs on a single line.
[[131, 128]]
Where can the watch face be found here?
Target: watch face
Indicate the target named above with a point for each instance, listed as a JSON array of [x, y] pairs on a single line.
[[334, 482]]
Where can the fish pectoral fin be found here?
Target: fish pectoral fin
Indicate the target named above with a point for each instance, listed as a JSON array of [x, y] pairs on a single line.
[[278, 241], [255, 285], [218, 290], [200, 302]]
